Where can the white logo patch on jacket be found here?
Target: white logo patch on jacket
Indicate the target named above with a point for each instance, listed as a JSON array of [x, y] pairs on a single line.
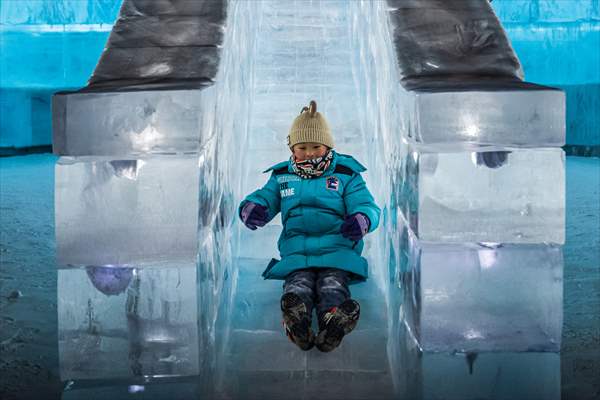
[[285, 190]]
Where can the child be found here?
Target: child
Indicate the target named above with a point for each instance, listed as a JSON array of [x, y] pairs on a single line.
[[326, 210]]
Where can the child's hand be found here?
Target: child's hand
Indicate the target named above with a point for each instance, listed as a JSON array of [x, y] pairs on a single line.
[[254, 215], [355, 226]]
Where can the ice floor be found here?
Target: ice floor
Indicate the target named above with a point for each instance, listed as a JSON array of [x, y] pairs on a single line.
[[256, 360]]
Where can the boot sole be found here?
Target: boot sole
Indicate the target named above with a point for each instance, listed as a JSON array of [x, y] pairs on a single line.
[[341, 323], [297, 321]]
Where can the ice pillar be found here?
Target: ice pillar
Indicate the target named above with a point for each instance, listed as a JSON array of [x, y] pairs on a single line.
[[143, 184], [475, 202]]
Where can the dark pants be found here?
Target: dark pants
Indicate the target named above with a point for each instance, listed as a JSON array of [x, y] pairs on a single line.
[[322, 288]]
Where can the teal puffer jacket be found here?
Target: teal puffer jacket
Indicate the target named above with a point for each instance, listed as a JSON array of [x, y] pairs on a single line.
[[312, 213]]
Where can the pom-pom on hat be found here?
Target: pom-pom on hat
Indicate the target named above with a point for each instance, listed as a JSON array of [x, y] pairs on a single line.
[[310, 126]]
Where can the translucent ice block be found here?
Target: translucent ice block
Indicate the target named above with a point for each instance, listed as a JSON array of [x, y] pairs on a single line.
[[508, 196], [117, 322], [501, 113], [474, 298], [127, 211], [132, 122]]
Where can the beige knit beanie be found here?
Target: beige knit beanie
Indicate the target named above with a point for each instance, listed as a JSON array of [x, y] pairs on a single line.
[[310, 126]]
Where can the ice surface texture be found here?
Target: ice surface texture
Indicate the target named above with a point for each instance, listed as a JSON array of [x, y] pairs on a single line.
[[491, 299], [484, 112], [149, 327], [146, 183], [515, 196], [471, 298], [127, 212], [124, 122]]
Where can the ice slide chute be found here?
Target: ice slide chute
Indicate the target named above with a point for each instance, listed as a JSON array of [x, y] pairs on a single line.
[[476, 196]]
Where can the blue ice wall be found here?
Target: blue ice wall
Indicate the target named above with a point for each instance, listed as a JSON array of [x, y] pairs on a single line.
[[50, 45], [46, 45], [558, 43]]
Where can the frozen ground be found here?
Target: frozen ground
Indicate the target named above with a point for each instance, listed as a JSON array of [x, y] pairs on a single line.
[[28, 281]]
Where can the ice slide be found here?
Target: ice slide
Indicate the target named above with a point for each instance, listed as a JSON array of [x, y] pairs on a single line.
[[159, 285]]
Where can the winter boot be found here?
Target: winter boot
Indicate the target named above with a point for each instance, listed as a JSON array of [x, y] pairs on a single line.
[[336, 323], [297, 321]]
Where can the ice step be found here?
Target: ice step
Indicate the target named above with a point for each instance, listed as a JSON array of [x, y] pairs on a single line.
[[300, 76], [257, 331], [256, 306], [264, 239], [334, 385], [363, 350]]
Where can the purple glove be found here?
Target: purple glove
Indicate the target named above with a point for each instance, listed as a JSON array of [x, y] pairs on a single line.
[[355, 226], [254, 215]]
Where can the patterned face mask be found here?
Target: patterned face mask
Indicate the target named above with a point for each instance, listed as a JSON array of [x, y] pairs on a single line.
[[309, 169]]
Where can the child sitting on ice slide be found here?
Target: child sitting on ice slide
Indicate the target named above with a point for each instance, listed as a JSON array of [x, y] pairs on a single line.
[[326, 210]]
